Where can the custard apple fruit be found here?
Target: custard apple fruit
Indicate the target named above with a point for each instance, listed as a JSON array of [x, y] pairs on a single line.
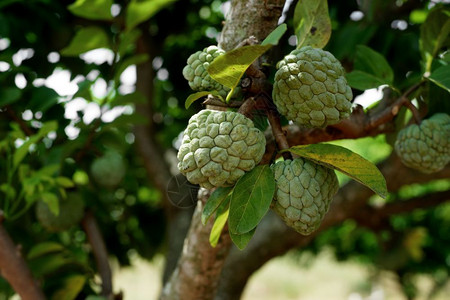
[[108, 170], [303, 194], [196, 71], [218, 147], [425, 147], [71, 211], [310, 88]]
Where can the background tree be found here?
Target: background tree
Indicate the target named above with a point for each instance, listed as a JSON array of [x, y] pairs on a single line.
[[57, 143]]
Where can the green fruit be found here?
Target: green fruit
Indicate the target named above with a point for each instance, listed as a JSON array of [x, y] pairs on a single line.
[[196, 71], [425, 147], [108, 170], [219, 147], [303, 194], [310, 88], [71, 211]]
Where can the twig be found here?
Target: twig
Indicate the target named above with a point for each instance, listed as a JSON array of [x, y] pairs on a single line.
[[213, 101], [12, 114], [95, 238], [275, 123], [390, 112], [14, 268], [414, 111], [247, 107]]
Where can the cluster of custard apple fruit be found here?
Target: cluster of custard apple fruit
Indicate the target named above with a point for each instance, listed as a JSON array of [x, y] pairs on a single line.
[[218, 147], [425, 146]]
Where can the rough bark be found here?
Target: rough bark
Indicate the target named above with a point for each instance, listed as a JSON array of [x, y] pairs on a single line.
[[273, 238], [199, 268], [250, 18], [14, 268]]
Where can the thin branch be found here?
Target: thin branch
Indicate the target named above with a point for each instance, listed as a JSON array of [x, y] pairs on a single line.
[[97, 243], [425, 201], [13, 116], [390, 112], [14, 268]]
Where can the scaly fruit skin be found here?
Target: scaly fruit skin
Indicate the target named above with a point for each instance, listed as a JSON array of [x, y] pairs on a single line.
[[196, 71], [71, 211], [303, 194], [310, 88], [108, 170], [219, 147], [425, 147]]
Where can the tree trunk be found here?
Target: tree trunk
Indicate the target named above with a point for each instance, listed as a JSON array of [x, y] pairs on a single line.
[[199, 267]]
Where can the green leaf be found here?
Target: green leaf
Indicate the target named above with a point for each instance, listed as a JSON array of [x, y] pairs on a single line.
[[71, 288], [128, 40], [134, 60], [9, 190], [140, 11], [220, 221], [251, 199], [441, 77], [133, 98], [312, 23], [418, 16], [345, 161], [214, 201], [42, 99], [433, 34], [363, 81], [52, 201], [229, 68], [9, 95], [372, 62], [92, 9], [86, 39], [43, 249], [49, 170], [22, 151], [64, 182], [127, 120], [194, 97], [48, 264], [241, 240], [274, 37]]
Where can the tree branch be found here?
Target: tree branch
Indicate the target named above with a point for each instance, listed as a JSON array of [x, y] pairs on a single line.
[[376, 217], [13, 116], [14, 268], [274, 238], [97, 243]]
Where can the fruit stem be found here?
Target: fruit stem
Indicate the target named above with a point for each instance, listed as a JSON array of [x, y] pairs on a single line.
[[277, 130]]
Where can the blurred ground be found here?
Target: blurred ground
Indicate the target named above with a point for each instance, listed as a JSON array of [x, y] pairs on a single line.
[[286, 278]]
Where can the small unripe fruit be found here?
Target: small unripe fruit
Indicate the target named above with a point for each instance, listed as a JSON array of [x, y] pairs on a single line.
[[310, 88], [71, 211], [218, 147], [303, 194], [108, 170], [196, 71], [425, 147]]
